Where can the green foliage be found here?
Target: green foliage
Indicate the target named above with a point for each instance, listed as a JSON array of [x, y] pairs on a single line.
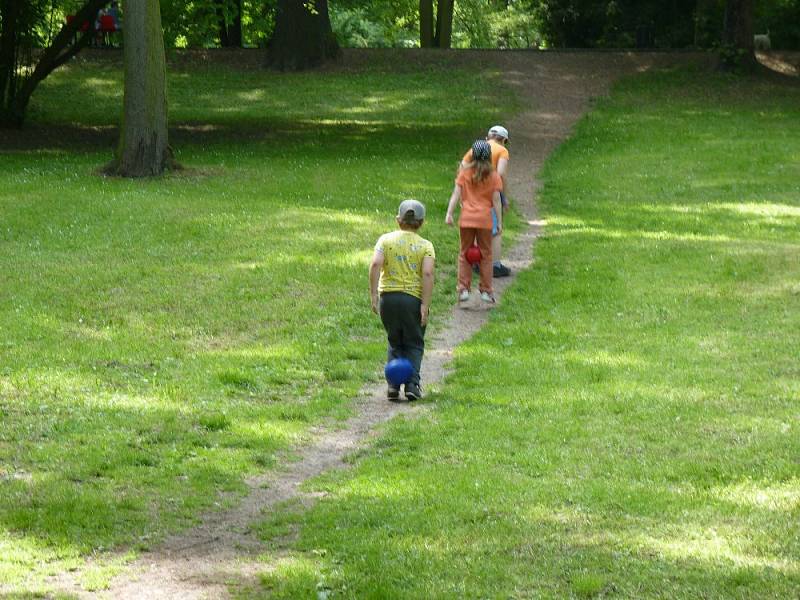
[[781, 19], [23, 27], [196, 23], [366, 24], [626, 426], [355, 29], [477, 23], [618, 23], [480, 24], [731, 57]]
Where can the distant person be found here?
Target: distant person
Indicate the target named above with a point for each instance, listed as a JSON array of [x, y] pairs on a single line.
[[400, 287], [498, 139], [113, 12], [98, 27], [477, 189]]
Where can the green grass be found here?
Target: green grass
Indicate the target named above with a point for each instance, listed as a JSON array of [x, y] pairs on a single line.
[[162, 339], [627, 425]]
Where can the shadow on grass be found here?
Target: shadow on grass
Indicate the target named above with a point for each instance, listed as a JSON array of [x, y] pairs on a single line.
[[381, 139]]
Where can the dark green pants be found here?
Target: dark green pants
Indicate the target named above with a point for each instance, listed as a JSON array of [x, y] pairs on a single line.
[[406, 335]]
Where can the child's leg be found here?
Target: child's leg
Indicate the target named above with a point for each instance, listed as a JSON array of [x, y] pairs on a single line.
[[497, 244], [387, 308], [497, 238], [464, 268], [400, 314], [484, 237], [413, 332]]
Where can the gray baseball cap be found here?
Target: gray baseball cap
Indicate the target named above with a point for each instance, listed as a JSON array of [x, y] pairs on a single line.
[[499, 131], [411, 211]]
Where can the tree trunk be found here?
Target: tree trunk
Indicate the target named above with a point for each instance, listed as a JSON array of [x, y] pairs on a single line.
[[444, 23], [222, 23], [15, 92], [230, 29], [303, 37], [426, 23], [235, 28], [738, 31], [143, 145], [9, 10]]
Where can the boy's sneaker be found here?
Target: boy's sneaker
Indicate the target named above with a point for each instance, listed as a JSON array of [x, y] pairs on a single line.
[[500, 270], [463, 295], [476, 268], [393, 394], [413, 391], [487, 297]]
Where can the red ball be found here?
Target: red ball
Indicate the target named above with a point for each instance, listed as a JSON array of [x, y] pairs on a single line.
[[473, 255]]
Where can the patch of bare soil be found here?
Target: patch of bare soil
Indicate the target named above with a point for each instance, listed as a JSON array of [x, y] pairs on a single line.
[[557, 88], [783, 63]]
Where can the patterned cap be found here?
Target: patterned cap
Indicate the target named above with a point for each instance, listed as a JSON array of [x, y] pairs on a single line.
[[481, 150]]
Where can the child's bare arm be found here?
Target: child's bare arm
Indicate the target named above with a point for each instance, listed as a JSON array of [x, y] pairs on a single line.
[[498, 211], [454, 198], [374, 276], [427, 288]]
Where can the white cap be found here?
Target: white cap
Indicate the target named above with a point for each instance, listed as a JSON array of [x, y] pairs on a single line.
[[499, 131], [411, 211]]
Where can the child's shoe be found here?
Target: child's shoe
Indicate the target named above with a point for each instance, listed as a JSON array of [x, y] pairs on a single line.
[[463, 295], [413, 391], [487, 298], [500, 270], [393, 394]]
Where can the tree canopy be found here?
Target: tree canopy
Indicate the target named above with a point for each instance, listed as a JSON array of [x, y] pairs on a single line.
[[60, 28]]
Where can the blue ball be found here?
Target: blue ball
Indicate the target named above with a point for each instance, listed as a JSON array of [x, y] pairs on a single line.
[[399, 371]]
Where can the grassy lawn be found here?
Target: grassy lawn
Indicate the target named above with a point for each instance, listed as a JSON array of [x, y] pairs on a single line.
[[628, 423], [161, 340]]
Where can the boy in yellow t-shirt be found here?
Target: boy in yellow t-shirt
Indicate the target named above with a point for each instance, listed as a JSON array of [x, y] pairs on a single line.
[[401, 286]]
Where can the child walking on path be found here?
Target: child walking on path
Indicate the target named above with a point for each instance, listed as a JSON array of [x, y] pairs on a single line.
[[478, 188], [401, 286], [498, 139]]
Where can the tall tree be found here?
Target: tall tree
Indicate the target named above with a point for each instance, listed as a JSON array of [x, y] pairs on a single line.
[[230, 25], [436, 34], [303, 37], [426, 23], [737, 33], [20, 72], [444, 23], [143, 144]]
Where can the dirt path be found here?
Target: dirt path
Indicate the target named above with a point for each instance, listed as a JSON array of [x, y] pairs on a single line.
[[202, 562]]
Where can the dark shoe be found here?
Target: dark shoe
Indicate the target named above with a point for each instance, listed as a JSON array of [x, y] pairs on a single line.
[[476, 268], [413, 391], [500, 270], [393, 394]]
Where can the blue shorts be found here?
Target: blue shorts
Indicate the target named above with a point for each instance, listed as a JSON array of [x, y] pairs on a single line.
[[503, 203]]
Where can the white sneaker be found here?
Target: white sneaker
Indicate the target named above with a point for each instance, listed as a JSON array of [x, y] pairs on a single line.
[[487, 297], [463, 296]]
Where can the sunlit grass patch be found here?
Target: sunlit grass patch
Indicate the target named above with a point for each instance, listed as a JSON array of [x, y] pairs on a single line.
[[626, 424], [164, 339]]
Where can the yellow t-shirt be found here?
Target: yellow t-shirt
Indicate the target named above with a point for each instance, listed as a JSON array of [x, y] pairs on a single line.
[[403, 252]]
